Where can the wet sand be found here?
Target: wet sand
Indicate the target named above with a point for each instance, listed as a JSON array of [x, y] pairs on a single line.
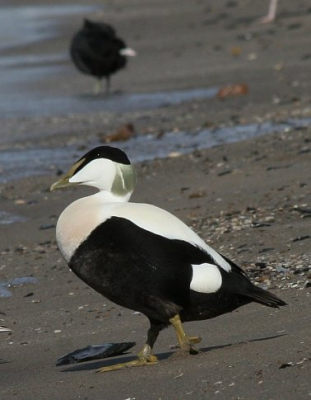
[[249, 200]]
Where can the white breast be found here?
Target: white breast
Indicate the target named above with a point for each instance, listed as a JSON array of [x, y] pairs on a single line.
[[75, 224]]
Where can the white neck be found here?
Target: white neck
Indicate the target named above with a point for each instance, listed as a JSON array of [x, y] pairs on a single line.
[[108, 197]]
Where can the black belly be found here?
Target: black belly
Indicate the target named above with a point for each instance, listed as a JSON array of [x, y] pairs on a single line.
[[206, 306], [146, 272]]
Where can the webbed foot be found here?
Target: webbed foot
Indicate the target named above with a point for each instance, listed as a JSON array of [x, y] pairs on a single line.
[[185, 342], [144, 357]]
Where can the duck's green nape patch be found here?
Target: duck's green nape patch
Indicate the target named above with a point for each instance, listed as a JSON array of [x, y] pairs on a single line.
[[125, 180]]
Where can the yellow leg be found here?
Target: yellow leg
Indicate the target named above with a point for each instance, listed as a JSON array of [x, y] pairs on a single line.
[[144, 357], [185, 342]]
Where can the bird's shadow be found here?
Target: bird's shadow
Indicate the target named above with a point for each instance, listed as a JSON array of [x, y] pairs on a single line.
[[4, 361], [100, 96], [161, 357]]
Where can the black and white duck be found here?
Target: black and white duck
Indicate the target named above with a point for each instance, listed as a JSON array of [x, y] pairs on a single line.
[[144, 258]]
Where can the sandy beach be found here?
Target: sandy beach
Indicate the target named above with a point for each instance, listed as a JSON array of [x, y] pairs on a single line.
[[250, 199]]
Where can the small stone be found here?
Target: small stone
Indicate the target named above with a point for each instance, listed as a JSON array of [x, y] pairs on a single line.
[[261, 265], [286, 365], [174, 154], [47, 226], [20, 201], [252, 56], [29, 294], [197, 195]]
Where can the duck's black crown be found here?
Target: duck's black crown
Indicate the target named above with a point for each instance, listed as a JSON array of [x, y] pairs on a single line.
[[111, 153]]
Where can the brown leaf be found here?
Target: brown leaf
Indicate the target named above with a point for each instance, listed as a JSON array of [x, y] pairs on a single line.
[[236, 51], [238, 89], [197, 195], [124, 133]]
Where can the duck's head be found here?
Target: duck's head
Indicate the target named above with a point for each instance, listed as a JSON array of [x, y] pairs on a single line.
[[105, 168]]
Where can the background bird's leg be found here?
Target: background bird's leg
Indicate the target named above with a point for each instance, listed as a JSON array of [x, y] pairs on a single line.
[[108, 84], [271, 13], [185, 342], [144, 357], [98, 86]]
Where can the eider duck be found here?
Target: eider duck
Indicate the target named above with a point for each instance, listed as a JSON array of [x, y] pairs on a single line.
[[97, 51], [142, 257]]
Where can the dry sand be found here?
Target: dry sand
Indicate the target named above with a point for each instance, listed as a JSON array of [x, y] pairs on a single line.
[[250, 200]]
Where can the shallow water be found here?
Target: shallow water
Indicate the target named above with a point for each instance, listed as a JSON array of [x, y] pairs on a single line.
[[25, 280], [43, 161], [13, 105], [148, 148], [7, 218], [21, 25]]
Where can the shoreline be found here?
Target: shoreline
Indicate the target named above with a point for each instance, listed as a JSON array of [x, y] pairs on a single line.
[[140, 148]]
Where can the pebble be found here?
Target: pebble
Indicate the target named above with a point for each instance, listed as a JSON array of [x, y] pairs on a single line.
[[20, 201], [269, 269]]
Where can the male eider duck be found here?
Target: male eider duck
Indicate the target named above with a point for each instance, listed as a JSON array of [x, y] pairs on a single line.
[[96, 50], [144, 258]]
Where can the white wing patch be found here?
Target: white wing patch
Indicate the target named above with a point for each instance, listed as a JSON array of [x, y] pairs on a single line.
[[206, 278]]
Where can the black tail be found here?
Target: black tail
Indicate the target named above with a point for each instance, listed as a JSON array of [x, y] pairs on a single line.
[[264, 297], [240, 283]]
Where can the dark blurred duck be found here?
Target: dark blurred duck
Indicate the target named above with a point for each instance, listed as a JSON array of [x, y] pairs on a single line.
[[96, 50]]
